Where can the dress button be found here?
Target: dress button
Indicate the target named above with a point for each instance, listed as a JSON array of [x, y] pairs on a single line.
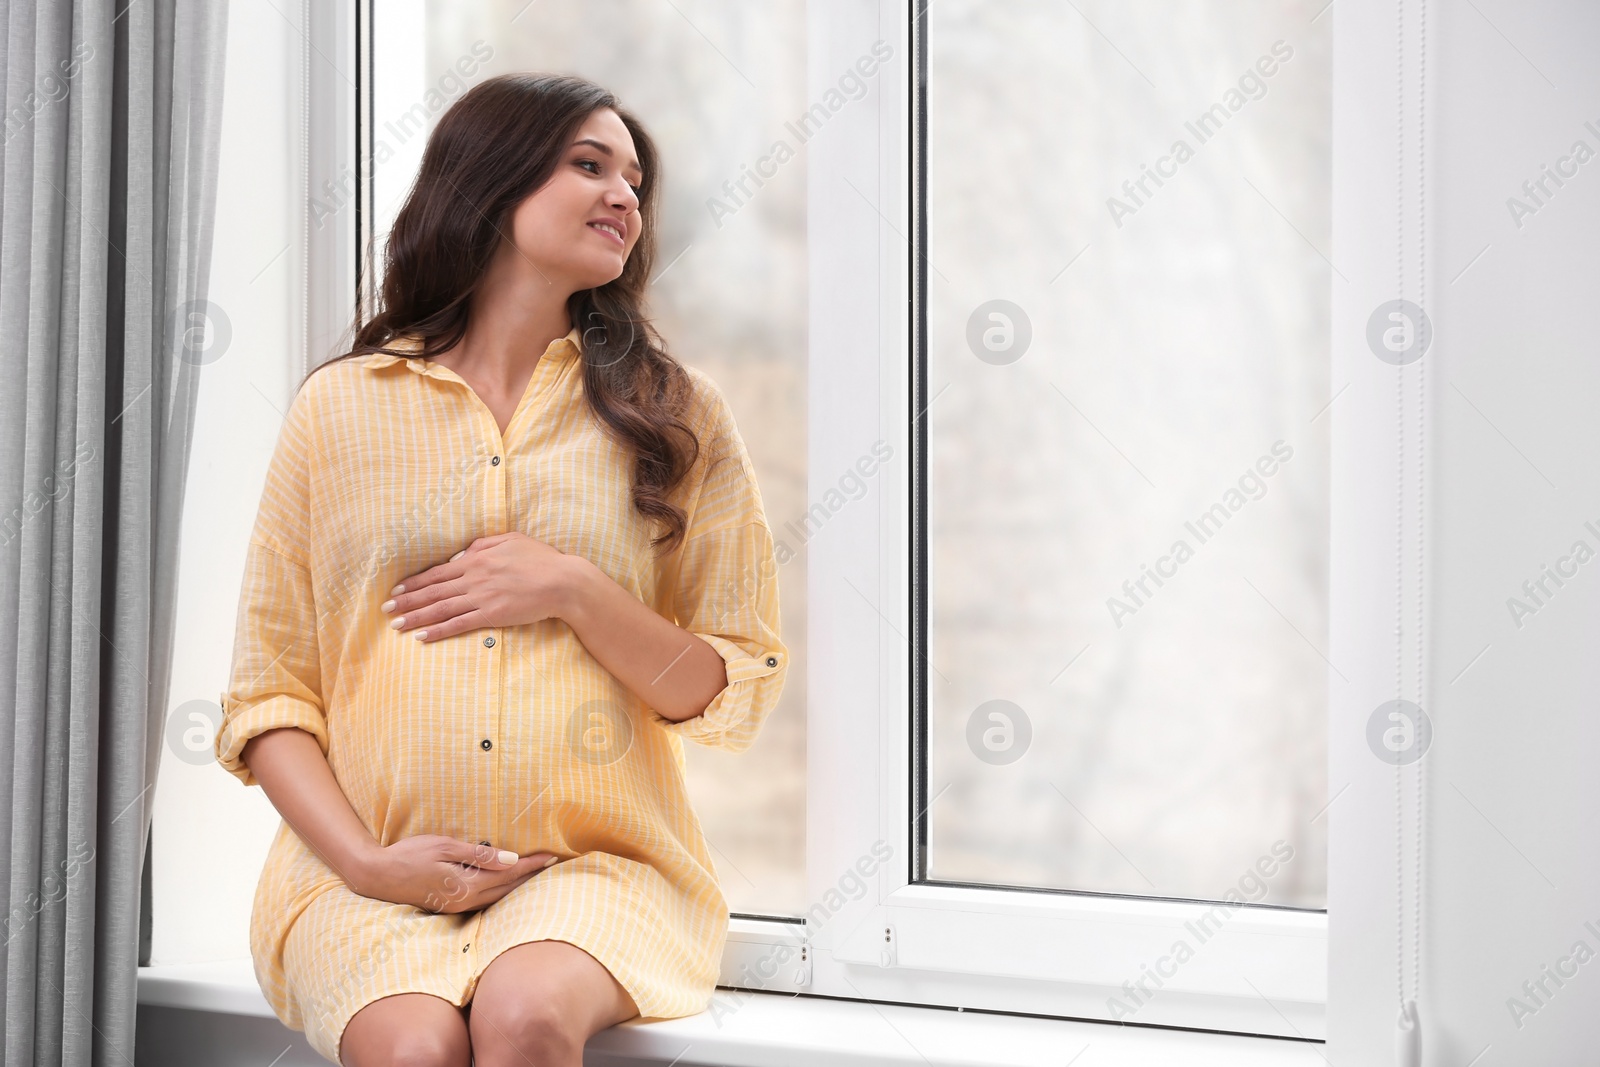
[[483, 842], [495, 462], [772, 661], [488, 642], [466, 946], [487, 744]]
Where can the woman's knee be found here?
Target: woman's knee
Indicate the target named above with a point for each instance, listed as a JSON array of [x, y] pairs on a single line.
[[407, 1030], [531, 1029], [541, 1001]]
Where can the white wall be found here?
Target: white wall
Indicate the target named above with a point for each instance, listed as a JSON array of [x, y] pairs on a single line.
[[1513, 872], [210, 833]]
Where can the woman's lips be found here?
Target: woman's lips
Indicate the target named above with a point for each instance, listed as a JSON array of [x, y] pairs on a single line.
[[607, 234]]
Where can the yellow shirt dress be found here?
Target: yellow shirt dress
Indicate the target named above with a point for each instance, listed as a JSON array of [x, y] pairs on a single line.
[[386, 466]]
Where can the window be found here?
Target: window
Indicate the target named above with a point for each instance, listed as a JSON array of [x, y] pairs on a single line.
[[997, 346], [1010, 518]]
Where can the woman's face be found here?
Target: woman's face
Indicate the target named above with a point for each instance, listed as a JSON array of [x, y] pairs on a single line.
[[557, 230]]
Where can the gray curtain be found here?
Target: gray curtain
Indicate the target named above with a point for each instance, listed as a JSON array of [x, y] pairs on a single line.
[[108, 173]]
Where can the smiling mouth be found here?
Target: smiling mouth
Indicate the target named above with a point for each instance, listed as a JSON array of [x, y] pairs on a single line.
[[608, 233]]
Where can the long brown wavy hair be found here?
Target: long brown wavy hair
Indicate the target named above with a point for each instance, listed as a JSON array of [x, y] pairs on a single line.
[[491, 150]]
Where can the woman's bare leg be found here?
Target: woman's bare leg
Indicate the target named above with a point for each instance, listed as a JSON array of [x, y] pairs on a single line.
[[414, 1029], [540, 1002]]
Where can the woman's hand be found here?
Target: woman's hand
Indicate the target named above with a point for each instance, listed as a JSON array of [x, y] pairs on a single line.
[[509, 579], [443, 875]]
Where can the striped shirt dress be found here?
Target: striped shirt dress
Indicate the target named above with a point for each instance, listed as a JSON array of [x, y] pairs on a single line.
[[388, 465]]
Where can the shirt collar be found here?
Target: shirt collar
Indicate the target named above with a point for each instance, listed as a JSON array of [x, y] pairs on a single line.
[[560, 350]]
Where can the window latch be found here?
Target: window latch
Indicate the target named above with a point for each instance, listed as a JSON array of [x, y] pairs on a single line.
[[802, 970]]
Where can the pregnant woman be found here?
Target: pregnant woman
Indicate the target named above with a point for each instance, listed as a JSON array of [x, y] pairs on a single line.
[[509, 555]]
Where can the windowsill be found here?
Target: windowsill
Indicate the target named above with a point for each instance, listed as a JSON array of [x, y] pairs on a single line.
[[766, 1030]]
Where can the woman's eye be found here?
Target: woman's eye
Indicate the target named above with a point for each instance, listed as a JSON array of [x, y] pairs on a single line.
[[636, 188]]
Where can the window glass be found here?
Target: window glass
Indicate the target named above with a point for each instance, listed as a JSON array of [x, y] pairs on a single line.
[[1128, 284]]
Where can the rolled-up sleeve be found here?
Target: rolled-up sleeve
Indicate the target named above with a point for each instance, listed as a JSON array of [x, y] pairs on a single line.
[[275, 679], [726, 593]]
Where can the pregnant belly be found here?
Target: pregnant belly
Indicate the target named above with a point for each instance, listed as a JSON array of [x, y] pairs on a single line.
[[540, 750]]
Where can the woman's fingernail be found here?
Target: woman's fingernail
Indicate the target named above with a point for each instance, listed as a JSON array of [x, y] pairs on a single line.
[[420, 634], [397, 590], [507, 856], [458, 555], [551, 860], [397, 623], [388, 606]]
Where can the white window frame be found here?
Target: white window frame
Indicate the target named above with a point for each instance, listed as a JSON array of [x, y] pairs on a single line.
[[333, 31], [1048, 953]]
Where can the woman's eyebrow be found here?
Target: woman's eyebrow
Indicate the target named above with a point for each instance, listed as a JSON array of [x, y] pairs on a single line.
[[633, 164]]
